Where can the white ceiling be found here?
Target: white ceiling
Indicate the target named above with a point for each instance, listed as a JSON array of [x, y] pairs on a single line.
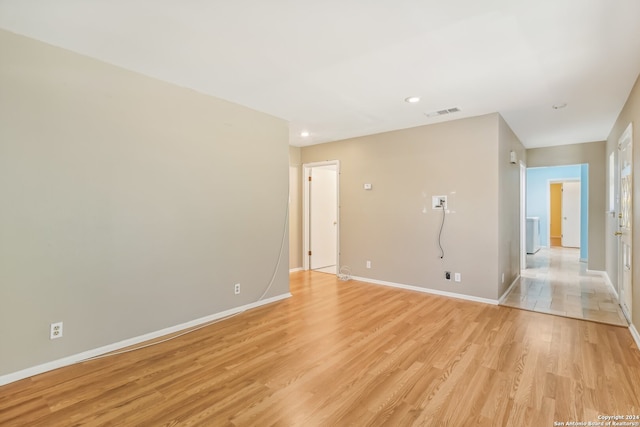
[[343, 68]]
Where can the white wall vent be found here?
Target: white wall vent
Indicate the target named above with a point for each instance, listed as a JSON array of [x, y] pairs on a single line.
[[442, 112]]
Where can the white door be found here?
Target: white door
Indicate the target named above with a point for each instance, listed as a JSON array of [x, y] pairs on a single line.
[[571, 214], [523, 216], [625, 217], [323, 218]]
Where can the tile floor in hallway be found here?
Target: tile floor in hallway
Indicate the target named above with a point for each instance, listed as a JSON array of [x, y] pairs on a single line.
[[556, 282]]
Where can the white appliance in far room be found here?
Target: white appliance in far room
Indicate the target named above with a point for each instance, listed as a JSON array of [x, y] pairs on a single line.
[[533, 234]]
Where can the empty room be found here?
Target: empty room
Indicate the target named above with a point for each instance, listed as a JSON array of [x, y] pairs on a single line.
[[319, 213]]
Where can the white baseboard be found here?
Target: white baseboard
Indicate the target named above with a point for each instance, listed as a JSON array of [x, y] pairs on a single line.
[[635, 335], [293, 270], [79, 357], [505, 293], [607, 280], [427, 290]]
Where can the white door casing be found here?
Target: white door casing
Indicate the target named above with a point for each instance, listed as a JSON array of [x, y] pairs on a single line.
[[571, 214], [625, 219], [321, 228], [323, 220], [523, 216]]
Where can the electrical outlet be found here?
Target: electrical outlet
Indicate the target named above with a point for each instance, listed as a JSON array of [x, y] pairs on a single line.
[[55, 330], [236, 288], [447, 275], [368, 264], [439, 202], [457, 277]]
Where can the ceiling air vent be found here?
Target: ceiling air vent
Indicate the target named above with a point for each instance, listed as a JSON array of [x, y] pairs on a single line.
[[442, 112]]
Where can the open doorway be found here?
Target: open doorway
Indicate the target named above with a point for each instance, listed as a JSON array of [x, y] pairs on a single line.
[[556, 193], [557, 280], [564, 213], [321, 216]]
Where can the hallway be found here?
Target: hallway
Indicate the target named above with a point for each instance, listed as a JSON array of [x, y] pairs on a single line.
[[556, 282]]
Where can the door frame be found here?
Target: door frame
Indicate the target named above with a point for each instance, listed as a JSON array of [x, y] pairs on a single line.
[[622, 297], [559, 181], [306, 173], [523, 216]]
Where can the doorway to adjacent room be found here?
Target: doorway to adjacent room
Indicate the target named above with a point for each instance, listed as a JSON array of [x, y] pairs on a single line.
[[321, 216]]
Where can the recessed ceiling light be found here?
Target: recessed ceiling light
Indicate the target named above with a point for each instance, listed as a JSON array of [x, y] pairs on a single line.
[[412, 99], [304, 134], [559, 106]]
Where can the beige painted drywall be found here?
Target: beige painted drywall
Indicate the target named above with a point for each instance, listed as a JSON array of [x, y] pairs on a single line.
[[593, 153], [295, 208], [129, 205], [629, 114], [509, 205], [394, 226]]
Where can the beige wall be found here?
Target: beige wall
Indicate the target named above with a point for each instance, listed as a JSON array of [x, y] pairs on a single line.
[[509, 205], [593, 153], [295, 208], [128, 205], [629, 114], [395, 227]]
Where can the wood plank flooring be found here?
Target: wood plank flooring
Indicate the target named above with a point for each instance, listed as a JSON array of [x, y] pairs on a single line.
[[556, 282], [349, 353]]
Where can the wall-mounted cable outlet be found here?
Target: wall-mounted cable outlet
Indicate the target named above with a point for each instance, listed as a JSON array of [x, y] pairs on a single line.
[[447, 275], [439, 202], [236, 288], [368, 264], [55, 330]]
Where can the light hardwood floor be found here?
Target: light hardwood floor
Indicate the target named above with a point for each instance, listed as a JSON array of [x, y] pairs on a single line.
[[556, 282], [349, 353]]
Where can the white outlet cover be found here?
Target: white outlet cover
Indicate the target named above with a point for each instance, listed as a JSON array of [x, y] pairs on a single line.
[[435, 202], [55, 331]]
